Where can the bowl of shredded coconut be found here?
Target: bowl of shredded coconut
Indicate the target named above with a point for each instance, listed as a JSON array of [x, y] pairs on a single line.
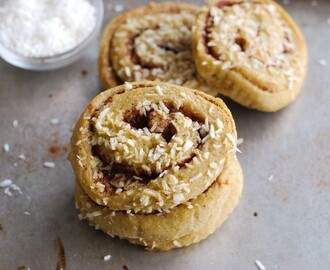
[[47, 34]]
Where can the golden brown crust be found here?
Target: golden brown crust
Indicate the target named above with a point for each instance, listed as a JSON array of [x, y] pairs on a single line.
[[150, 43], [189, 161], [184, 225], [155, 164], [251, 51]]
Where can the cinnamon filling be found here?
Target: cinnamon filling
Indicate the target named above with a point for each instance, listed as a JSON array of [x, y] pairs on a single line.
[[152, 54], [118, 172], [241, 42], [222, 4]]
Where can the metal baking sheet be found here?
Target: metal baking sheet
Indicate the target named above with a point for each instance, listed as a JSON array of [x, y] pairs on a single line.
[[283, 218]]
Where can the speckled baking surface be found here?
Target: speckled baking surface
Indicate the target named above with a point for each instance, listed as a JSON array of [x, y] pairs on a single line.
[[283, 218]]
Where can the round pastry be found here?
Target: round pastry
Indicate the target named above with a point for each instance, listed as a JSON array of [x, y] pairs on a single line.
[[251, 51], [182, 226], [148, 146], [150, 43], [146, 153]]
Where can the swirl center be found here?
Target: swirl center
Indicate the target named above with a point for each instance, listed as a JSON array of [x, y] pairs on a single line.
[[147, 139]]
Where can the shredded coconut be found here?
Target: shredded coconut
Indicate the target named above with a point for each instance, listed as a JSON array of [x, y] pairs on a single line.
[[268, 50], [16, 188], [107, 257], [49, 164], [155, 46], [240, 141], [45, 28], [178, 197], [9, 186], [213, 165], [159, 90], [6, 147], [128, 86], [260, 265], [323, 62], [196, 177], [7, 191], [176, 243], [5, 183], [15, 123], [54, 121], [128, 72], [187, 145]]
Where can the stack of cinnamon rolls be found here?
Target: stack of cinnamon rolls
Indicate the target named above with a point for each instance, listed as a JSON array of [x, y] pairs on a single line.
[[155, 155]]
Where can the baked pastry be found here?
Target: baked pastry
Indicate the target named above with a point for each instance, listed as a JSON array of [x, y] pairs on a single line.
[[153, 161], [251, 51], [150, 43], [186, 224]]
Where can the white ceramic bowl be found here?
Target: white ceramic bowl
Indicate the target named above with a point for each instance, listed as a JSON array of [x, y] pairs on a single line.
[[58, 60]]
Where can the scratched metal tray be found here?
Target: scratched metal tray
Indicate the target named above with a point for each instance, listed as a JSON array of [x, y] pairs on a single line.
[[283, 218]]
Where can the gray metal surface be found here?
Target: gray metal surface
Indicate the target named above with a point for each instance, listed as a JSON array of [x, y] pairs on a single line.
[[291, 230]]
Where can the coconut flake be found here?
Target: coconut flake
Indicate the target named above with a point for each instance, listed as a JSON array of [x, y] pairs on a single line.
[[214, 165], [49, 164], [240, 141], [187, 145], [45, 28], [6, 147], [22, 157], [159, 90], [8, 186], [128, 72], [176, 243], [54, 121], [5, 183], [7, 191], [323, 62], [260, 265], [196, 177], [16, 188], [128, 86], [178, 197], [107, 257]]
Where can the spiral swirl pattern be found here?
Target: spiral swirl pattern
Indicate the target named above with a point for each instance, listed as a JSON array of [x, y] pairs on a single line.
[[156, 164], [151, 43], [151, 147], [251, 51]]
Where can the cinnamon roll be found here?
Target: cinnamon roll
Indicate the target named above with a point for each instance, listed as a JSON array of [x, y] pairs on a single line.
[[251, 51], [151, 43], [157, 162]]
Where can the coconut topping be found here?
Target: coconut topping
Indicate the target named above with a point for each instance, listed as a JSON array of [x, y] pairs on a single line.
[[149, 153], [162, 45], [253, 36]]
